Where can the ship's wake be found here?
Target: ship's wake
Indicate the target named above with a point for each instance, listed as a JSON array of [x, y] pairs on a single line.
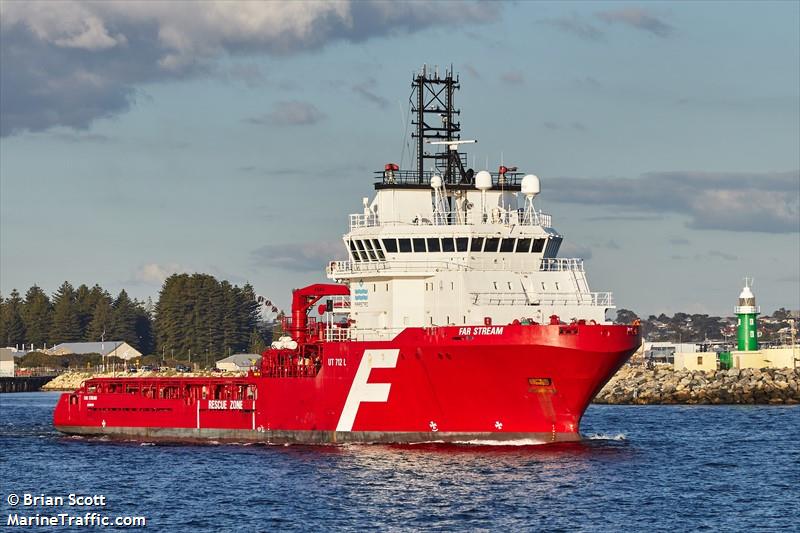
[[604, 436]]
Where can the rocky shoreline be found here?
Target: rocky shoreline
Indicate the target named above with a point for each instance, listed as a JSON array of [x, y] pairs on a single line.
[[640, 386], [69, 381]]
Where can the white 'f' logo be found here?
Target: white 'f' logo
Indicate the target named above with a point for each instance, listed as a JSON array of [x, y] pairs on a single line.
[[361, 391]]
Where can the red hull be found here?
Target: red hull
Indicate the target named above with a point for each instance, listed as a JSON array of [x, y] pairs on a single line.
[[451, 383]]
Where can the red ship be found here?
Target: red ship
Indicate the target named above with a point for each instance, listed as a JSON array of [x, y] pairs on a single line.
[[453, 320]]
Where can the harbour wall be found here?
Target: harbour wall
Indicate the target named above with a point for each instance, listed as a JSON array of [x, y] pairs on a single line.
[[637, 385], [23, 383]]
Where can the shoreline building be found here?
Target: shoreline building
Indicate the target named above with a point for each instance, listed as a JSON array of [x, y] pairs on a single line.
[[120, 349]]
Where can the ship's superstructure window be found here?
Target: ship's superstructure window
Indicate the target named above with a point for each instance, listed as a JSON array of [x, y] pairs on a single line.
[[491, 244], [419, 245], [523, 246], [477, 244], [378, 250], [433, 245], [538, 245], [448, 244], [461, 244], [390, 245], [370, 251], [353, 250], [507, 245], [405, 245]]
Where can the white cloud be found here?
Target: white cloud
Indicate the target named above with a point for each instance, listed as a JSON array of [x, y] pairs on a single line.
[[155, 274], [119, 45]]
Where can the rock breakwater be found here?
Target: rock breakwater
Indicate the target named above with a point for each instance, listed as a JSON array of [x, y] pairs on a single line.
[[636, 385]]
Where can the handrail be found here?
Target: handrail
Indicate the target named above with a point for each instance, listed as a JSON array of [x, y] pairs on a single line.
[[509, 217], [515, 263], [603, 299]]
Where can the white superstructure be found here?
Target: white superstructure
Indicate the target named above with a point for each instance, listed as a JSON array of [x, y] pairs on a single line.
[[453, 247]]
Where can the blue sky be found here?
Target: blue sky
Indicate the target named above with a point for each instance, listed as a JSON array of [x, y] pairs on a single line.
[[140, 139]]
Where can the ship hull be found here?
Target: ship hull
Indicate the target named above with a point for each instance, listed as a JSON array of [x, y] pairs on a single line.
[[451, 384]]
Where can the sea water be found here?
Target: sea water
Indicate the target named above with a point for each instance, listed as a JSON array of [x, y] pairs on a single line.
[[639, 468]]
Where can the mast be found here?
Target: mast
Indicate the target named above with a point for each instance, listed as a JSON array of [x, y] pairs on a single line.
[[432, 99]]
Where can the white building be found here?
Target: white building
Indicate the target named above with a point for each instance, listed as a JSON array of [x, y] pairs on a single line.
[[7, 363], [120, 349], [239, 362]]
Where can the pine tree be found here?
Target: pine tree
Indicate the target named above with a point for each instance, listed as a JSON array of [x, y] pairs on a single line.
[[102, 316], [66, 327], [13, 328], [83, 307], [37, 313], [123, 321], [257, 344], [143, 324]]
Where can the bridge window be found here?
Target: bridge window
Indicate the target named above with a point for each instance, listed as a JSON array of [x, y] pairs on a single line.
[[448, 245], [433, 245], [523, 246], [378, 250], [419, 245], [491, 244], [405, 245], [363, 251], [390, 245], [477, 244], [462, 244], [507, 245], [354, 251], [370, 250], [538, 245]]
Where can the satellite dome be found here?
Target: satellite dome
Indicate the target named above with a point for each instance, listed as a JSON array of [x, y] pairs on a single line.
[[531, 185], [483, 181], [436, 181]]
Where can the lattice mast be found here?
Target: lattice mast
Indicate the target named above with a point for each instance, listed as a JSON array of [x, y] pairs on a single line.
[[432, 102]]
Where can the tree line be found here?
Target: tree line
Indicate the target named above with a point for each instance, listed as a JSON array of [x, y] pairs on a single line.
[[194, 314]]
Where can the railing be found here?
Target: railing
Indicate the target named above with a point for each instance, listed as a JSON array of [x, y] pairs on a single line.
[[511, 217], [360, 334], [364, 220], [601, 299], [521, 263], [561, 264], [511, 180]]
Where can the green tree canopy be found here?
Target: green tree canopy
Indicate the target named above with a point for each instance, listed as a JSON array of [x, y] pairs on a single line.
[[38, 316], [66, 326], [12, 327]]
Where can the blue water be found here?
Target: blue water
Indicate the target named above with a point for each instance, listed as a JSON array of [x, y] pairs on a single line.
[[641, 468]]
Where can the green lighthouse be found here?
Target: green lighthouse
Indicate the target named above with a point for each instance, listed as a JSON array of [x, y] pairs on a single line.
[[747, 311]]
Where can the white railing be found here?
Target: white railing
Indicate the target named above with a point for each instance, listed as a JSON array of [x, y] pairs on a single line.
[[335, 334], [363, 220], [558, 264], [600, 299], [511, 217], [521, 263]]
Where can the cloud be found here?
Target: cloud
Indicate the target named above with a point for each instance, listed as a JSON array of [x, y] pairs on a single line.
[[639, 19], [633, 17], [155, 274], [570, 249], [723, 255], [70, 63], [550, 125], [576, 25], [300, 257], [513, 77], [679, 241], [292, 113], [759, 202], [472, 71], [365, 90]]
